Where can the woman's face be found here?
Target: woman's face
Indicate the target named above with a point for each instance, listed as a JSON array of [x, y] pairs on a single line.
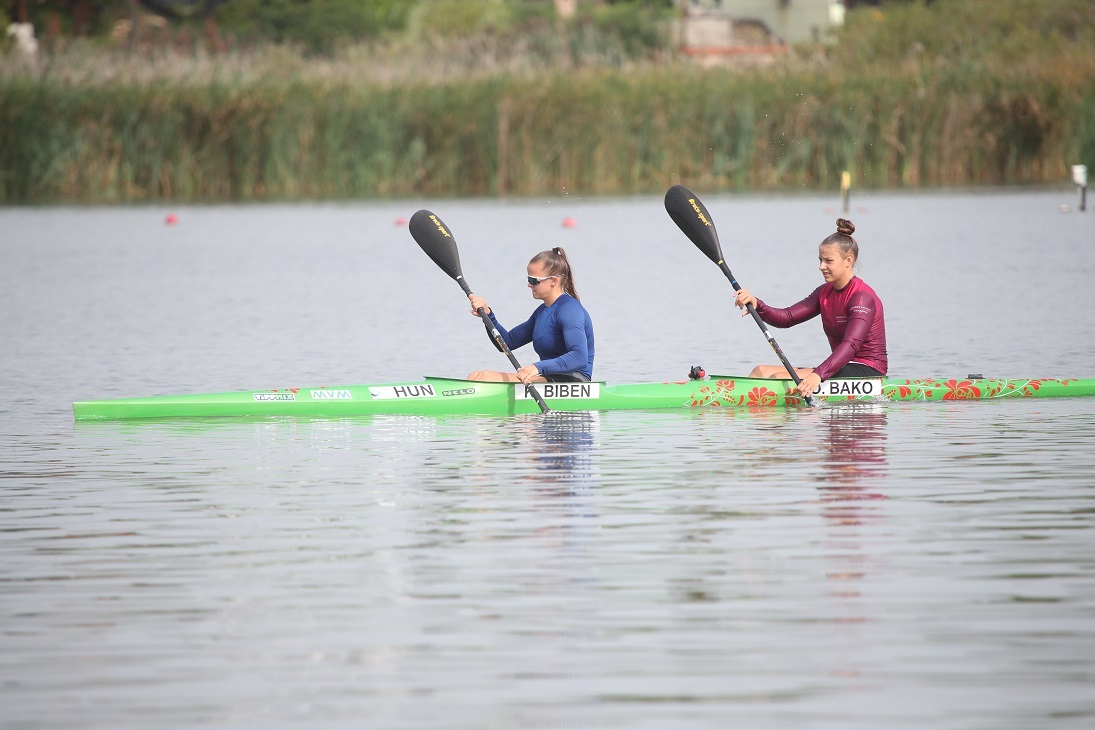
[[835, 267], [547, 286]]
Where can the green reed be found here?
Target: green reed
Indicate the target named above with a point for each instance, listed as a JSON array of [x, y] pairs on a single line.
[[288, 136]]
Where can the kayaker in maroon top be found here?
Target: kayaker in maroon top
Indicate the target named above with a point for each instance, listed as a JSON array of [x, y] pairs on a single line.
[[851, 315]]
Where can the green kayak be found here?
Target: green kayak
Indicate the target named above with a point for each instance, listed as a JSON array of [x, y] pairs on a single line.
[[440, 396]]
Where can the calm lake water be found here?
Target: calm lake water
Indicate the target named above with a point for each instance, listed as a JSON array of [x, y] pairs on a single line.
[[909, 565]]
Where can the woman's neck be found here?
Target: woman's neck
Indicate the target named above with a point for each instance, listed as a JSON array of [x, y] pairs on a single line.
[[549, 300], [840, 286]]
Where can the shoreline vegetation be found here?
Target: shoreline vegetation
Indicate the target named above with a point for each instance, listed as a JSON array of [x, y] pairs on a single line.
[[958, 93]]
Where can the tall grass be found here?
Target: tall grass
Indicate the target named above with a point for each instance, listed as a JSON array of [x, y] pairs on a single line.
[[271, 126]]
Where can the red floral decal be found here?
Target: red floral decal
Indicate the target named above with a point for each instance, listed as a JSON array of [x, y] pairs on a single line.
[[1031, 386], [720, 394], [961, 390], [762, 397]]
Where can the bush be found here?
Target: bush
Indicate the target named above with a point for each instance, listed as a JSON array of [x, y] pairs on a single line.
[[639, 29], [966, 32], [317, 25]]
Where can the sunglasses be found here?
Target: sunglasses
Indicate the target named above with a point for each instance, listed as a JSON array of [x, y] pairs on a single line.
[[534, 280]]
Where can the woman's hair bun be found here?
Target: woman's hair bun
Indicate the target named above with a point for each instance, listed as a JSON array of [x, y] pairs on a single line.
[[845, 226]]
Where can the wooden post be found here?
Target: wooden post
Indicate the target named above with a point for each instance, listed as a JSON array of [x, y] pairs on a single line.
[[82, 13], [845, 189]]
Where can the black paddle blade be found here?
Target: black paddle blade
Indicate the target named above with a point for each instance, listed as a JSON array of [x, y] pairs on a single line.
[[437, 241], [688, 213]]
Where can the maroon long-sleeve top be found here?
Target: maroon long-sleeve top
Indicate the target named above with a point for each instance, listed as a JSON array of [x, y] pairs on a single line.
[[852, 319]]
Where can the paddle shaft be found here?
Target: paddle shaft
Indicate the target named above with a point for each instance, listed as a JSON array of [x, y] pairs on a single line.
[[497, 337], [764, 329]]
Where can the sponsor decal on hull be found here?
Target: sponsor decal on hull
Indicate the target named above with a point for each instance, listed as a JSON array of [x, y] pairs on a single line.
[[386, 392], [275, 396], [849, 388], [579, 391], [332, 395], [460, 391]]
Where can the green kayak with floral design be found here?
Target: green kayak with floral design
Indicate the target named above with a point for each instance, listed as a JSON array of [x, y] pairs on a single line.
[[441, 396]]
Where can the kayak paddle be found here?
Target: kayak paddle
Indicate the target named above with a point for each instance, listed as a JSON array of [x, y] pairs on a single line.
[[437, 241], [692, 217]]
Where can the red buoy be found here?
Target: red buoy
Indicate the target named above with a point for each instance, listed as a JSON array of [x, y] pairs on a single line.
[[171, 219]]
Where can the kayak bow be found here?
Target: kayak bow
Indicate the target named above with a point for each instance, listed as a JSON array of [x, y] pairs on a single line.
[[442, 396]]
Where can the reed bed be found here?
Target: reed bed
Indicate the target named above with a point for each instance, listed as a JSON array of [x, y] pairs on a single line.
[[251, 128]]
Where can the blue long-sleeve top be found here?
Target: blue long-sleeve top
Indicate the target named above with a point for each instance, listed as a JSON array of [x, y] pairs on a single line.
[[561, 334]]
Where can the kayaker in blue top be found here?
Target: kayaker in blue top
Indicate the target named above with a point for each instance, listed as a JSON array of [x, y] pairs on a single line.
[[560, 329]]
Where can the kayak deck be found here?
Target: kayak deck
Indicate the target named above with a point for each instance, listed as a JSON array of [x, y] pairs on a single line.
[[441, 396]]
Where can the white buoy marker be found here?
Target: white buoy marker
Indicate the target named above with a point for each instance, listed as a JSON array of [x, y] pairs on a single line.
[[1079, 176]]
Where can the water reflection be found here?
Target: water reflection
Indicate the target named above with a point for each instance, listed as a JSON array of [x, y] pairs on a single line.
[[552, 454], [852, 474], [564, 452], [855, 461]]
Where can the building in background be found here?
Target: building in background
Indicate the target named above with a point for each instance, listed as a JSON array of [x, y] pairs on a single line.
[[713, 28]]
